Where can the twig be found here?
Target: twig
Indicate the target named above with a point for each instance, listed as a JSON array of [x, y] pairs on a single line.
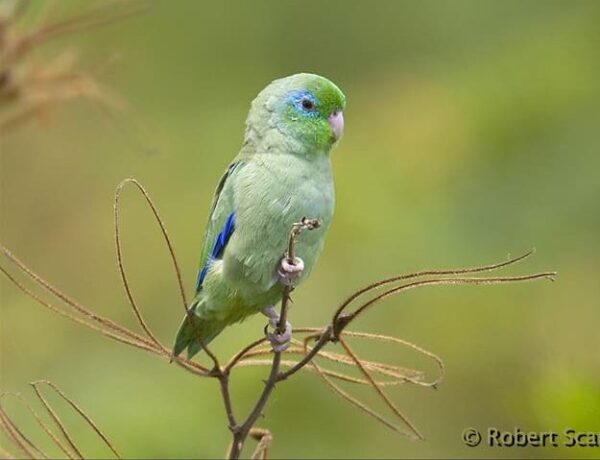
[[65, 298], [163, 230], [419, 274], [323, 338], [438, 282], [19, 439], [243, 352], [379, 390], [436, 358], [95, 17], [29, 88], [264, 438], [40, 422], [224, 382], [83, 415], [386, 374], [355, 402], [58, 422], [122, 272], [24, 444], [138, 342], [6, 454], [10, 429], [240, 433]]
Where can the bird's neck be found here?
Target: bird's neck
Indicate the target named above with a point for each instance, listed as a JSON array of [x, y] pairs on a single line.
[[275, 141]]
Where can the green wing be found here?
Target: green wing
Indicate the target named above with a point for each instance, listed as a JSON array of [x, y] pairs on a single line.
[[221, 210], [194, 328]]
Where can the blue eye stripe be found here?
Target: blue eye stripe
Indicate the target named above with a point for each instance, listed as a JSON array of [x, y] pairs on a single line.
[[298, 98]]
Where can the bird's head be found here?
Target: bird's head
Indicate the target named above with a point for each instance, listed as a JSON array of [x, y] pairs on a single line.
[[305, 111]]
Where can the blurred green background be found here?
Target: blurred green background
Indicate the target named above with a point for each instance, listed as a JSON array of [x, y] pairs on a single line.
[[472, 132]]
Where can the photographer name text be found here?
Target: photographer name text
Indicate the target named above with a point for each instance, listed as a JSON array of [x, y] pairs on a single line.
[[517, 437]]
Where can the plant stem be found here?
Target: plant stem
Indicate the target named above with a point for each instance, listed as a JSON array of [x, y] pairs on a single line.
[[240, 433]]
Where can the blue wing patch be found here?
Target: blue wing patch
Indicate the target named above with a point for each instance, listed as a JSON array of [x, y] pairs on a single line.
[[218, 248]]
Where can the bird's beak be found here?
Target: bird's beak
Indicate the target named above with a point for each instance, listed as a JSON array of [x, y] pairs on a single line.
[[336, 121]]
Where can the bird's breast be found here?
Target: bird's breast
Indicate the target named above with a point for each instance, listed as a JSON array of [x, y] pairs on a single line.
[[271, 195]]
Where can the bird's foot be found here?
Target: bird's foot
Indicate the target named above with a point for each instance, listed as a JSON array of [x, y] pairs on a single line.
[[279, 341], [290, 272]]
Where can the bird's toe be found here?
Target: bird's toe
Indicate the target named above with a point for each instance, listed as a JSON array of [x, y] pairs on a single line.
[[290, 271]]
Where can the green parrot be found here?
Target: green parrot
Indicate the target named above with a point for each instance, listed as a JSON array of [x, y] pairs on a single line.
[[282, 174]]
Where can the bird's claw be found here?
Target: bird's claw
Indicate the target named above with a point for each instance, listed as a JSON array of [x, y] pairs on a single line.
[[279, 342], [290, 272]]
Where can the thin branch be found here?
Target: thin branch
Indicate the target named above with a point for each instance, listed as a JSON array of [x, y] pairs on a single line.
[[58, 422], [164, 232], [380, 391], [190, 366], [400, 374], [65, 298], [243, 352], [40, 422], [75, 407], [6, 454], [452, 271], [241, 433], [18, 437], [405, 343], [224, 384], [265, 439], [94, 17], [122, 272], [386, 374], [163, 229], [323, 339], [355, 402], [138, 343], [451, 281], [123, 335], [13, 433], [398, 380]]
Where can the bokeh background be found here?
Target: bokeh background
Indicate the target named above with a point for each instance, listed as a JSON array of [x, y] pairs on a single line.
[[472, 132]]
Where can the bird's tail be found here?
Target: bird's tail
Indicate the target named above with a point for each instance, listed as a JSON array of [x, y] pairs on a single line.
[[195, 331]]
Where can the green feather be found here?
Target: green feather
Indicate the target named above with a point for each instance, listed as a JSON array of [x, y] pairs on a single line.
[[283, 173]]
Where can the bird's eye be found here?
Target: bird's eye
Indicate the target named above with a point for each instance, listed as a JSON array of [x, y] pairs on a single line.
[[307, 104]]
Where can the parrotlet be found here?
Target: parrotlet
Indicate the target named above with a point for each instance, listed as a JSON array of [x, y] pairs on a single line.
[[281, 175]]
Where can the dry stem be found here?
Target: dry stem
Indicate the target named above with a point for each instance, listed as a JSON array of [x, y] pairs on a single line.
[[375, 374], [66, 445]]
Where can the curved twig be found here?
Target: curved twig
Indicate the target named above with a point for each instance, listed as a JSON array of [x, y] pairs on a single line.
[[451, 271], [355, 402], [138, 341], [242, 353], [387, 338], [19, 439], [376, 374], [40, 422], [77, 409], [240, 433], [163, 230], [54, 416], [64, 297], [347, 318], [122, 272], [380, 391]]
